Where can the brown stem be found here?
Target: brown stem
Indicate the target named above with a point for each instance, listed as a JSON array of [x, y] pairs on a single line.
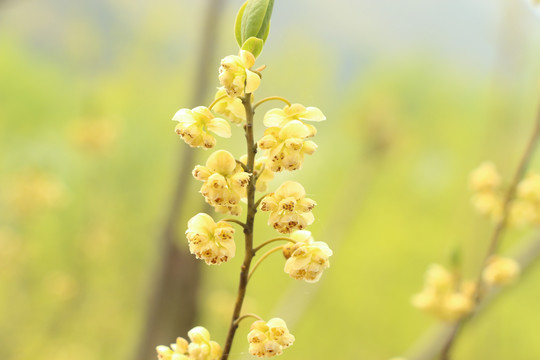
[[248, 229], [172, 304], [499, 227]]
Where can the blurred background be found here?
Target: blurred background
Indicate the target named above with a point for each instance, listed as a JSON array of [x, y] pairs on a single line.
[[95, 186]]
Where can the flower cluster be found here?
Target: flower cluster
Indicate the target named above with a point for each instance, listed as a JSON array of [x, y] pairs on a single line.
[[267, 339], [485, 183], [289, 208], [213, 242], [224, 182], [235, 75], [194, 127], [444, 296], [501, 271], [285, 139], [306, 258], [200, 347]]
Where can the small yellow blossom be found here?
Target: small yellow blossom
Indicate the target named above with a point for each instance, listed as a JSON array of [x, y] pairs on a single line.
[[485, 178], [263, 173], [286, 146], [501, 271], [309, 259], [194, 126], [213, 242], [289, 208], [443, 296], [488, 204], [33, 191], [529, 188], [268, 339], [200, 347], [279, 117], [230, 107], [235, 74], [225, 182]]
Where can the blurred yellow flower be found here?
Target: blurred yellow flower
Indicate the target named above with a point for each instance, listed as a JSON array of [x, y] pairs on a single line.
[[235, 74], [285, 147], [230, 107], [200, 347], [194, 126], [485, 178], [213, 242], [280, 117], [268, 339], [225, 182], [94, 135], [501, 271], [443, 296], [309, 259], [289, 208]]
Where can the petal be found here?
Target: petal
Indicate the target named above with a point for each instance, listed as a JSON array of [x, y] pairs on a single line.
[[252, 81], [291, 189], [201, 223], [312, 114], [302, 236], [184, 116], [222, 162], [248, 60], [294, 129], [220, 127], [295, 109], [274, 117]]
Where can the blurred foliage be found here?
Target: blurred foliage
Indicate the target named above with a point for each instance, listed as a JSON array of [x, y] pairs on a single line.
[[87, 160]]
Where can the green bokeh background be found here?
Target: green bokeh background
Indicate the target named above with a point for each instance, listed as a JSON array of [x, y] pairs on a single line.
[[417, 93]]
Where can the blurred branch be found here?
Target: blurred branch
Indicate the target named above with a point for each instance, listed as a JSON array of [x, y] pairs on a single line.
[[433, 342], [172, 305]]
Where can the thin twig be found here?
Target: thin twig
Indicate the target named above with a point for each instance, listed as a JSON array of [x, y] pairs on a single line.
[[271, 241], [260, 200], [262, 101], [213, 103], [264, 256], [236, 222], [245, 316], [248, 229], [242, 165]]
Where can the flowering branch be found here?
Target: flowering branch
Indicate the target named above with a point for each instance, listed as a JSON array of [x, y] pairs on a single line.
[[499, 230], [227, 181]]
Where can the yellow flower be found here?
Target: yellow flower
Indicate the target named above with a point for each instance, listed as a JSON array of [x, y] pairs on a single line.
[[268, 339], [443, 296], [213, 242], [501, 271], [225, 182], [289, 208], [485, 178], [279, 117], [529, 188], [263, 173], [309, 259], [235, 76], [488, 203], [230, 107], [200, 348], [285, 147], [194, 126]]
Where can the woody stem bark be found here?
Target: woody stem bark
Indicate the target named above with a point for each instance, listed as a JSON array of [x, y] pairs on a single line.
[[248, 229]]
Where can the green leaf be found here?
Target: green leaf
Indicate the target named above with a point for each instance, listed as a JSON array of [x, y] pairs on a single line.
[[253, 45], [256, 18], [265, 35], [238, 24]]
